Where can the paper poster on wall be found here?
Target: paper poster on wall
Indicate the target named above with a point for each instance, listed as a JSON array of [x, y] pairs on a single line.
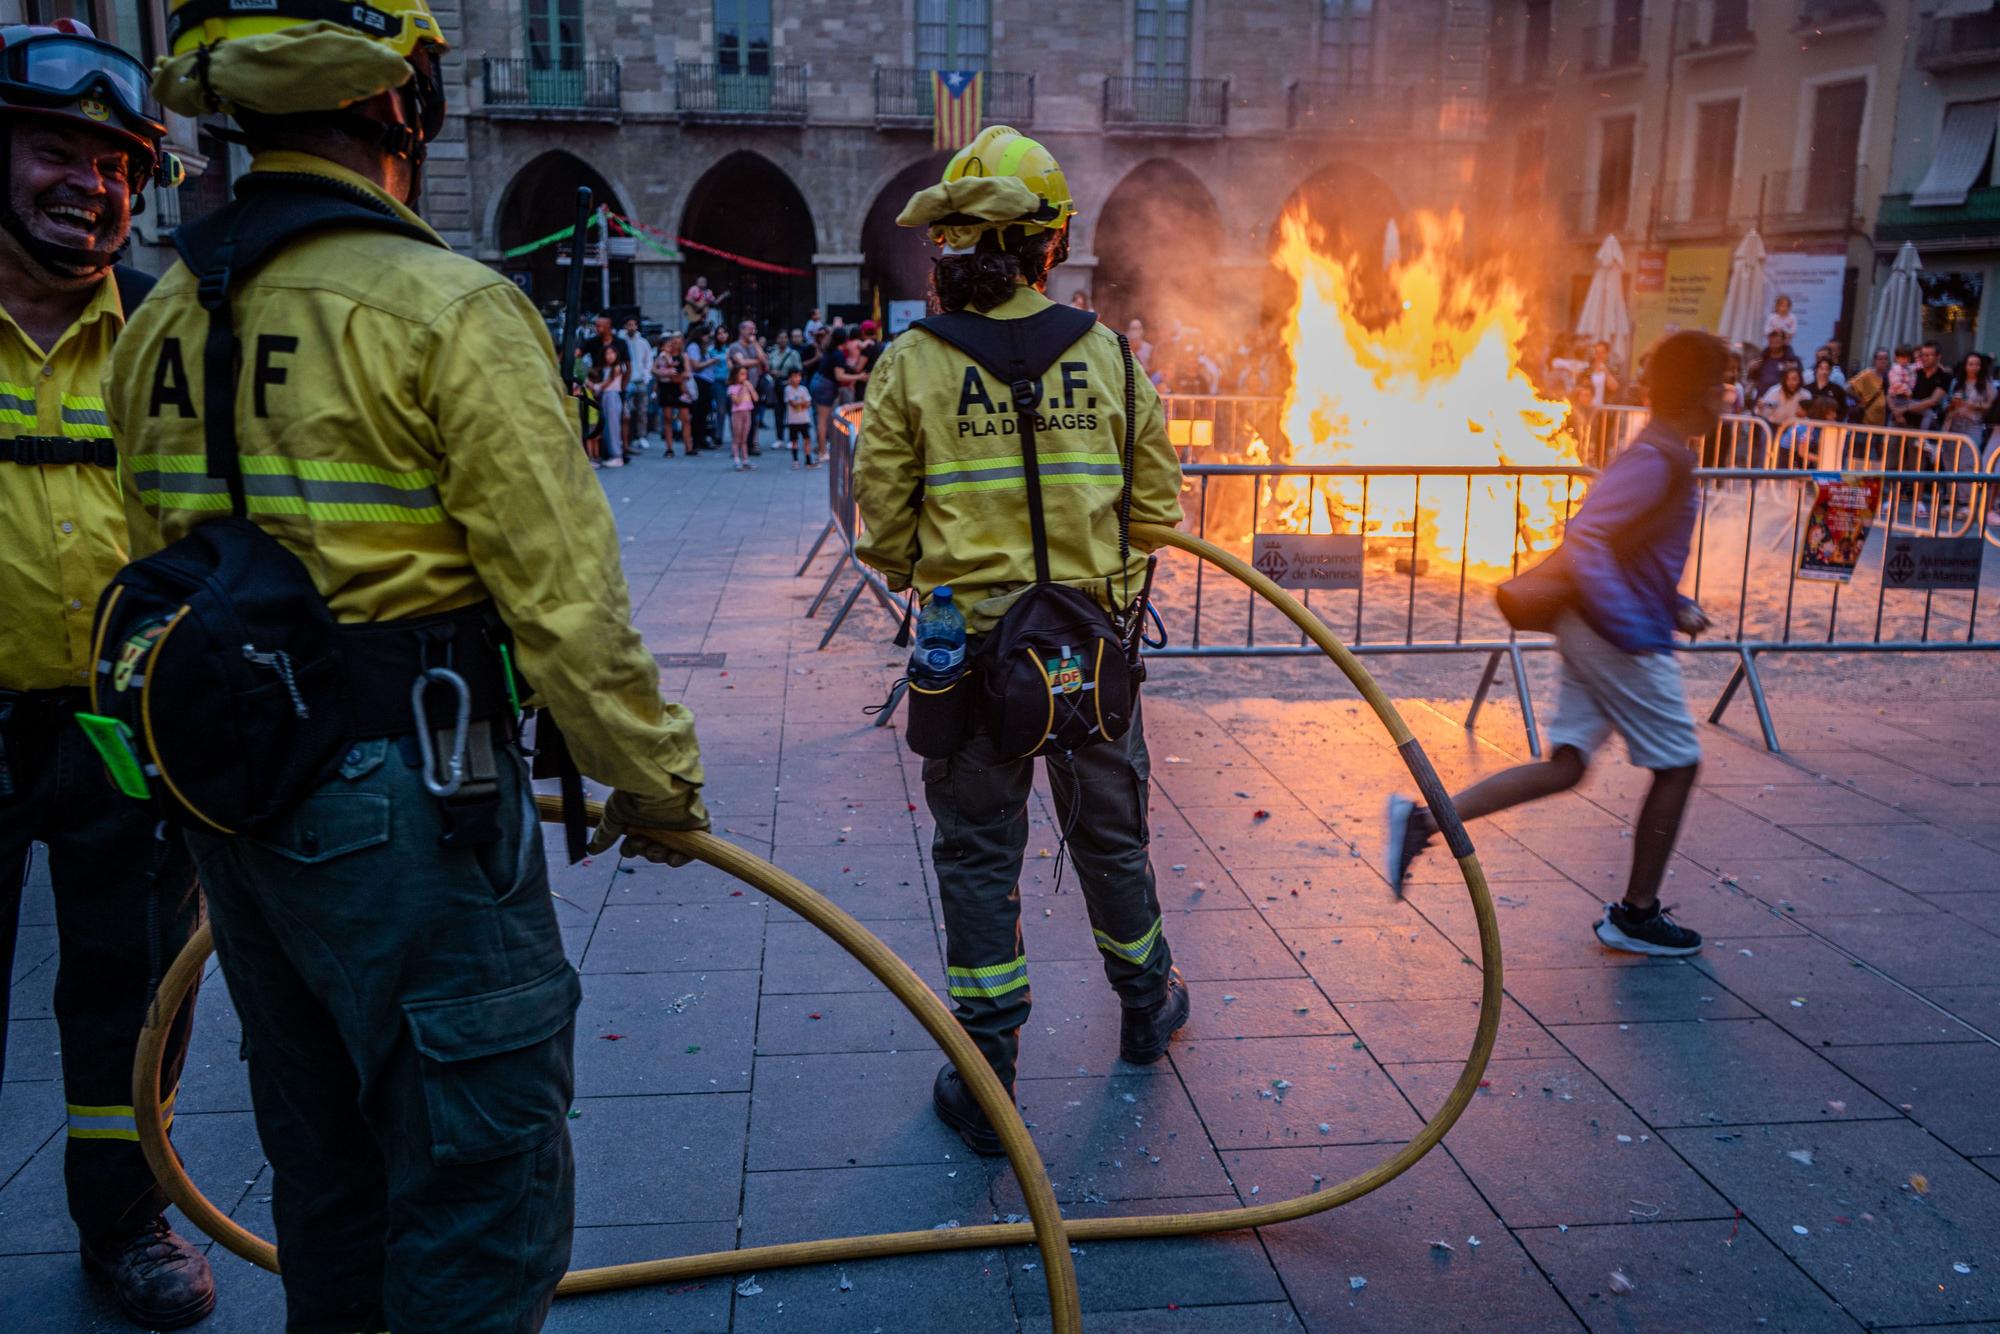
[[902, 314], [1687, 294], [1837, 527], [1814, 282]]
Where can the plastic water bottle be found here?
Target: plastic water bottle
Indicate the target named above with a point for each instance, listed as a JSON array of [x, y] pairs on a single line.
[[940, 652]]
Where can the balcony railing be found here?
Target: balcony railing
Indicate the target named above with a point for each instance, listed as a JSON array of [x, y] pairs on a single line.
[[1824, 198], [1959, 43], [517, 84], [1589, 214], [1840, 13], [1372, 109], [903, 97], [1614, 48], [1704, 206], [1716, 28], [771, 95], [1166, 106]]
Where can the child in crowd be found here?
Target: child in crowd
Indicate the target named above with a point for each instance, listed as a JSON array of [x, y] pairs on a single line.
[[742, 406], [1902, 380], [799, 417], [1781, 319]]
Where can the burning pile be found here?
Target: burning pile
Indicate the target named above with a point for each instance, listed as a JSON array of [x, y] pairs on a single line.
[[1422, 368]]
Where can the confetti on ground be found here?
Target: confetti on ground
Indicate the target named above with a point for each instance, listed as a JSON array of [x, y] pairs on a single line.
[[1441, 1246], [1920, 1183], [1356, 1283], [1620, 1284], [610, 1037], [1801, 1229], [749, 1287], [845, 1284], [1800, 1156], [1837, 1105], [1960, 1267]]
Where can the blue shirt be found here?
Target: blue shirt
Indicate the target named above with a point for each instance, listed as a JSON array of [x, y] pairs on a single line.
[[1629, 543]]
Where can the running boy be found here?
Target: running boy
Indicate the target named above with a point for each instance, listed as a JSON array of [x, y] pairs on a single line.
[[1623, 553], [799, 416]]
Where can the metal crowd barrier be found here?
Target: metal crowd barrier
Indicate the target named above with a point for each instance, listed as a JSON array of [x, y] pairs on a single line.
[[843, 521], [1231, 424], [1744, 567]]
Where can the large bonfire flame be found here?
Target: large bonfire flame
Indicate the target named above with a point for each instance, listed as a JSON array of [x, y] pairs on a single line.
[[1424, 371]]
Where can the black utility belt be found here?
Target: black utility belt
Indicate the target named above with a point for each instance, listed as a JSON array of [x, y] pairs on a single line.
[[384, 661], [41, 450]]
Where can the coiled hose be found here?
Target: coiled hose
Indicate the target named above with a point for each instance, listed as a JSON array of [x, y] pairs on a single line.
[[1050, 1232]]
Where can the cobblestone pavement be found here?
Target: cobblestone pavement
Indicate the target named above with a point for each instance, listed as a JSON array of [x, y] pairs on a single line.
[[1796, 1130]]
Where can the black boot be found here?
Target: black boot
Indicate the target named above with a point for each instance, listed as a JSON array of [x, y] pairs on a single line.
[[161, 1280], [1143, 1033], [957, 1108]]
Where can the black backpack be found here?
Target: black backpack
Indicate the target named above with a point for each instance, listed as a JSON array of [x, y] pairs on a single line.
[[219, 692], [1054, 674]]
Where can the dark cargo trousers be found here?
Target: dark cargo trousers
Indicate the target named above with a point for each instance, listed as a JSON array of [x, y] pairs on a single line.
[[980, 804], [100, 848], [407, 1018]]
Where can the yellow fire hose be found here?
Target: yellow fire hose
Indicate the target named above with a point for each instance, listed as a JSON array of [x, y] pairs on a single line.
[[1050, 1232]]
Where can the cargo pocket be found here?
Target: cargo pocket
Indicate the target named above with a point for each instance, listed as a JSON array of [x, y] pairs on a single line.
[[497, 1068], [326, 825], [940, 717]]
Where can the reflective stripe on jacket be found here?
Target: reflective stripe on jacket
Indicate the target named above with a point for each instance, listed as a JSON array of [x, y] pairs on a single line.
[[935, 418], [404, 432], [62, 528]]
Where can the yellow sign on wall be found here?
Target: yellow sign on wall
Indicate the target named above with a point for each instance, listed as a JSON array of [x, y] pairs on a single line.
[[1697, 279]]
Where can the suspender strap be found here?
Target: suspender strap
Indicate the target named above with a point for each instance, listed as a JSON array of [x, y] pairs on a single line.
[[1125, 497], [218, 377], [1027, 394], [58, 450]]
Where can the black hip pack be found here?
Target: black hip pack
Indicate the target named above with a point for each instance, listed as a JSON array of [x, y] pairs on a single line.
[[1057, 673], [220, 692]]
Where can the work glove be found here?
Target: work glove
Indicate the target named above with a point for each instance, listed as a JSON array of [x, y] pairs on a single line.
[[628, 810]]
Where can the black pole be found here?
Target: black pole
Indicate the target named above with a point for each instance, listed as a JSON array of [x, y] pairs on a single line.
[[573, 298]]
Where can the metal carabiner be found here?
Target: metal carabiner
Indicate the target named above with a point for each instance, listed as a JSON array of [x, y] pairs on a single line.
[[455, 762]]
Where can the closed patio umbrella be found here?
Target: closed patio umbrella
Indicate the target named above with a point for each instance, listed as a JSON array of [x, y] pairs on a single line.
[[1897, 319], [1743, 304], [1604, 317]]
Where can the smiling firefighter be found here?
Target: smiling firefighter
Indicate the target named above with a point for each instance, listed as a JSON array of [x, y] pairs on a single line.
[[80, 137], [1007, 446]]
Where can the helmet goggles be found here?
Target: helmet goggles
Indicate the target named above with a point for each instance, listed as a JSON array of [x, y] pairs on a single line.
[[61, 71]]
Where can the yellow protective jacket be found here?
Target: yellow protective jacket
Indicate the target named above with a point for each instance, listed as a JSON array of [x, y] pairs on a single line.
[[62, 527], [934, 417], [404, 432]]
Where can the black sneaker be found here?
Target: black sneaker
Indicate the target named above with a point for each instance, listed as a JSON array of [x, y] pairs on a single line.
[[1143, 1033], [957, 1108], [1408, 836], [161, 1280], [1651, 933]]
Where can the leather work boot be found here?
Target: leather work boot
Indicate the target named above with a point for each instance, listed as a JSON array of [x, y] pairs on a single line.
[[1143, 1034], [957, 1108], [161, 1280]]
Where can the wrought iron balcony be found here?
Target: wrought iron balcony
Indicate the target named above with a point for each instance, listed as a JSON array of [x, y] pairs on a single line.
[[1523, 63], [1821, 198], [1959, 43], [1614, 48], [770, 95], [1181, 107], [1701, 207], [1374, 110], [1841, 14], [515, 85], [1706, 28], [903, 97], [1589, 214]]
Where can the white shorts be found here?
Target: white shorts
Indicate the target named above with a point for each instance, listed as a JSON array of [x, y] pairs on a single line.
[[1638, 695]]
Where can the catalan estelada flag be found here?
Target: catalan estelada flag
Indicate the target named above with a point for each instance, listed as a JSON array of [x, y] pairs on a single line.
[[956, 95]]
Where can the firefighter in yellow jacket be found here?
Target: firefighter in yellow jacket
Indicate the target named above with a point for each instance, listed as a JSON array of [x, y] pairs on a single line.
[[392, 952], [941, 484], [80, 138]]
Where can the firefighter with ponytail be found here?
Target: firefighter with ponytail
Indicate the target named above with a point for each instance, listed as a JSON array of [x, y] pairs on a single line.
[[1007, 447]]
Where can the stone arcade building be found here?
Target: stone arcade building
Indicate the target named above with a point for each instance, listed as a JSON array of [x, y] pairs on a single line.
[[791, 133]]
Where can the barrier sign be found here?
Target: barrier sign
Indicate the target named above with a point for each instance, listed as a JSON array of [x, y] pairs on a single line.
[[1933, 562], [1837, 528], [1315, 560]]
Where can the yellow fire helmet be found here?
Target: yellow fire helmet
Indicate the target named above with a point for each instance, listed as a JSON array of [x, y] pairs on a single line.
[[287, 57], [1001, 179]]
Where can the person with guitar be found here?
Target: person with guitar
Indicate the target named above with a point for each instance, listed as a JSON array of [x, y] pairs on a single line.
[[700, 307]]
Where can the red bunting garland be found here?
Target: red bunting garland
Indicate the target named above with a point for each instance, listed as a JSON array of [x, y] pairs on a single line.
[[762, 266]]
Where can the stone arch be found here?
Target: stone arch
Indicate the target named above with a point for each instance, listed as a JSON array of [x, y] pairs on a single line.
[[540, 199], [747, 205], [896, 261], [1156, 239], [1350, 207]]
